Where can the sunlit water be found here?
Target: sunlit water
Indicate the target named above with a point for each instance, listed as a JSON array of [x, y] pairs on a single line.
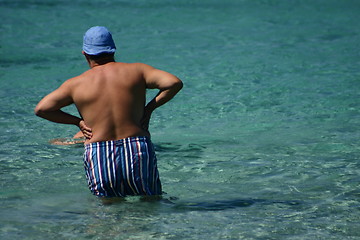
[[262, 142]]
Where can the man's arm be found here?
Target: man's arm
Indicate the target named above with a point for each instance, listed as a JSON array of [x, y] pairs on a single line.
[[49, 108], [168, 85]]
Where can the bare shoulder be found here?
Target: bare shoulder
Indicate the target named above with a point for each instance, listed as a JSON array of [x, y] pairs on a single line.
[[141, 70], [147, 70], [141, 67], [71, 82], [157, 78], [82, 76], [68, 87]]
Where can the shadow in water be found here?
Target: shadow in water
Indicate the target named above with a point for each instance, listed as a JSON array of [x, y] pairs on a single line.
[[197, 205], [172, 204], [226, 204]]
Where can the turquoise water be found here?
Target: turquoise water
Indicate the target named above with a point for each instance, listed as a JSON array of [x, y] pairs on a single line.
[[262, 142]]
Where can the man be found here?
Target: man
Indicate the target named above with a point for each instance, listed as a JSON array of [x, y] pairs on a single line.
[[119, 156]]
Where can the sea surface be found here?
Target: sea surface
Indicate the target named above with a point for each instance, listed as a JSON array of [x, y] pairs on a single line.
[[261, 143]]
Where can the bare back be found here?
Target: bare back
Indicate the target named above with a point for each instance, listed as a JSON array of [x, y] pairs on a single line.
[[111, 100]]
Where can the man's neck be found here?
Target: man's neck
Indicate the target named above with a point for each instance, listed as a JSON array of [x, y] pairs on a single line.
[[99, 62]]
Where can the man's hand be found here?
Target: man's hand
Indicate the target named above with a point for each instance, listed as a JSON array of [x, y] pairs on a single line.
[[85, 129]]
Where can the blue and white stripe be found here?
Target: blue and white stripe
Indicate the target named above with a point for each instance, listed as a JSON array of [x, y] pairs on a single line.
[[122, 167]]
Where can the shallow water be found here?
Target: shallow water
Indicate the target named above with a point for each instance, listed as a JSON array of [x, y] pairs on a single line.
[[262, 142]]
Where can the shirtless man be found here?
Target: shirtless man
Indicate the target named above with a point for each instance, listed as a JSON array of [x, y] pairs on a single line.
[[119, 156]]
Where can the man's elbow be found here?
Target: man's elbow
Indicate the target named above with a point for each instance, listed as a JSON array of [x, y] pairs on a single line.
[[39, 111], [178, 85]]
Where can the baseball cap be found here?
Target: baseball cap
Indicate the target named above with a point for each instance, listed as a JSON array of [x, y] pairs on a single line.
[[98, 40]]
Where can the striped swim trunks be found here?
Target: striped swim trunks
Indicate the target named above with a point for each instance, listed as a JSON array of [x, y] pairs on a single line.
[[122, 167]]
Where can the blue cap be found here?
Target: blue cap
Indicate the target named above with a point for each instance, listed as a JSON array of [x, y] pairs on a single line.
[[98, 40]]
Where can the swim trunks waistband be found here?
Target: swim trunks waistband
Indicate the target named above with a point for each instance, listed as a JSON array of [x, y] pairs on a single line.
[[116, 142]]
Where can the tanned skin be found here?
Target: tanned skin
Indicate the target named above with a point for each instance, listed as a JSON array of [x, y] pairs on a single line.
[[110, 98]]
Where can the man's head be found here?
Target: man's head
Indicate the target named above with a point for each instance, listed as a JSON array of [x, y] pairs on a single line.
[[98, 41]]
